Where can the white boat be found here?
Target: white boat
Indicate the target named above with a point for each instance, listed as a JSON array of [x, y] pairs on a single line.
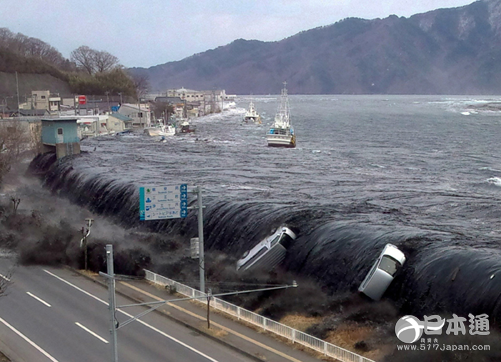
[[251, 116], [281, 133], [161, 130]]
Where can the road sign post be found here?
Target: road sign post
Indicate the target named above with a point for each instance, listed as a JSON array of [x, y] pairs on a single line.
[[201, 257], [171, 202]]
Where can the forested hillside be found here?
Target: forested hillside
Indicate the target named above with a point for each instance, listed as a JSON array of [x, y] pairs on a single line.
[[31, 64], [446, 51]]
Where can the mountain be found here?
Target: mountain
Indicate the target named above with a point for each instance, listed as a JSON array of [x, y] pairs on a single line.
[[445, 51]]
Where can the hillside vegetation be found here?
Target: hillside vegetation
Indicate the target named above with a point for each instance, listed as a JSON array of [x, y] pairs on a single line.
[[40, 66], [446, 51]]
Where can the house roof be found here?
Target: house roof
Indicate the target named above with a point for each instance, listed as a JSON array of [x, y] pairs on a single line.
[[134, 106], [121, 117], [60, 119], [33, 112], [170, 100]]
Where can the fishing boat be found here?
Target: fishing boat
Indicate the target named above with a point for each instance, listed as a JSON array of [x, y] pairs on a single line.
[[186, 127], [161, 130], [281, 133], [251, 116]]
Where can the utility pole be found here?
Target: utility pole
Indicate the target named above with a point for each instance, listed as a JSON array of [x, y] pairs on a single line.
[[108, 100], [112, 307], [110, 275], [18, 106]]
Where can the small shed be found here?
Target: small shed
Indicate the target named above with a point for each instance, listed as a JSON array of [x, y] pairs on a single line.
[[60, 136]]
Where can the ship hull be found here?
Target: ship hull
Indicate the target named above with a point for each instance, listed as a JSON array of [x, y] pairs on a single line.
[[281, 140]]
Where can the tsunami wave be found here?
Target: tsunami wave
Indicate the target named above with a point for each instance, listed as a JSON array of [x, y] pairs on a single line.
[[445, 272]]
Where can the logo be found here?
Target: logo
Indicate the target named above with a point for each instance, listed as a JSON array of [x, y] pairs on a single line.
[[409, 328]]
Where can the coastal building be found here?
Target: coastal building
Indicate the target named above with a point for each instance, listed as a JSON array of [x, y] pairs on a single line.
[[184, 94], [42, 100], [201, 102], [60, 136], [139, 113], [118, 122]]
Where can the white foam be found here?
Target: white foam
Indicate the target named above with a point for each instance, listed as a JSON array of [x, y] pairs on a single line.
[[496, 181]]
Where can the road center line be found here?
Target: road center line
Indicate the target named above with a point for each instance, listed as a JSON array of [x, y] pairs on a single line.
[[89, 331], [29, 341], [131, 316], [40, 300], [4, 277]]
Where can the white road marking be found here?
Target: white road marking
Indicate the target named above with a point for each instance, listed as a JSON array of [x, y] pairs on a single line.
[[4, 277], [29, 341], [40, 300], [131, 316], [94, 334]]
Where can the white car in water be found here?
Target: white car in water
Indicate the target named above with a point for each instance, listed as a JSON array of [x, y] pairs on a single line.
[[269, 252], [382, 272]]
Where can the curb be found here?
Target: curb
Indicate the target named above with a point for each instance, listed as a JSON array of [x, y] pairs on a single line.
[[174, 319]]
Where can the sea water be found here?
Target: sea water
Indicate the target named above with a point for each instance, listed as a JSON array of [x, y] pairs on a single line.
[[421, 172]]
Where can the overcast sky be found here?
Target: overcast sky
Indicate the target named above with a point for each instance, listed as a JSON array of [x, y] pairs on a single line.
[[144, 33]]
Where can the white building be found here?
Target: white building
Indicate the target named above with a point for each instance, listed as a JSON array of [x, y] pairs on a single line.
[[140, 114], [42, 99]]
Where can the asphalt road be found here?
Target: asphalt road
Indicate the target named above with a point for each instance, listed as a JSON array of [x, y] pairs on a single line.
[[51, 314]]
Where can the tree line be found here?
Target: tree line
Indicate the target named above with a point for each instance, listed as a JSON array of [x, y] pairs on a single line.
[[88, 71]]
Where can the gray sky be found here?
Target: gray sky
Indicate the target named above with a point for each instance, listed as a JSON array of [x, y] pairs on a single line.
[[144, 33]]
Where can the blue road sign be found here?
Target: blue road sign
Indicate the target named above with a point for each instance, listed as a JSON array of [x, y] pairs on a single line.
[[163, 202]]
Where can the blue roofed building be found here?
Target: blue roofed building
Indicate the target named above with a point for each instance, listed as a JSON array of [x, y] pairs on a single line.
[[60, 136]]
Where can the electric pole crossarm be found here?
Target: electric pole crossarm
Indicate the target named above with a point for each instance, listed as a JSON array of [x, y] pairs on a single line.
[[159, 302], [158, 305], [293, 285], [139, 316]]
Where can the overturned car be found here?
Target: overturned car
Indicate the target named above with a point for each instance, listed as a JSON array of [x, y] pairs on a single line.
[[269, 252]]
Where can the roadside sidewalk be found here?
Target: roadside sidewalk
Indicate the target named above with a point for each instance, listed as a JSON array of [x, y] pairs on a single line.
[[258, 345]]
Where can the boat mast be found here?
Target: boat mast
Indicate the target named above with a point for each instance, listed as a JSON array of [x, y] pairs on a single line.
[[284, 106]]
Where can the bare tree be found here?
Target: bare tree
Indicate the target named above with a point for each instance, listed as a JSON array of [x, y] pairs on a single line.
[[36, 137], [5, 37], [94, 61], [40, 49], [84, 57], [14, 139], [30, 47], [141, 85], [105, 61], [163, 110]]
